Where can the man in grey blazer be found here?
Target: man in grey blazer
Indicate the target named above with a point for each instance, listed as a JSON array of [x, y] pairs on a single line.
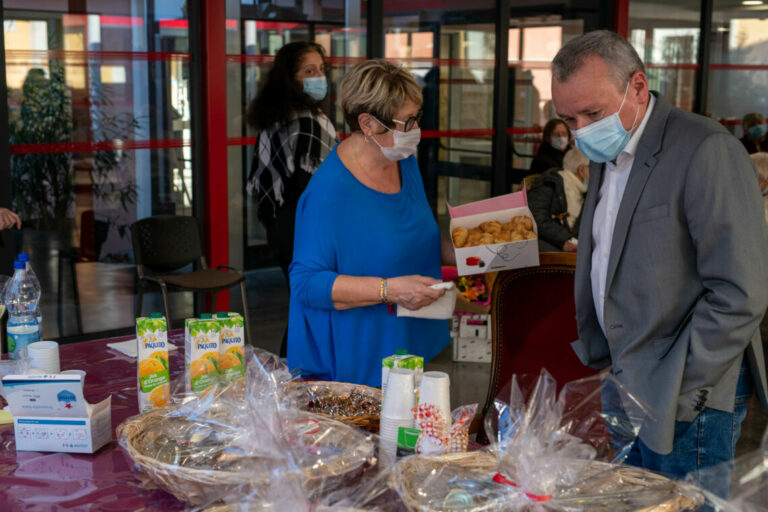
[[671, 279]]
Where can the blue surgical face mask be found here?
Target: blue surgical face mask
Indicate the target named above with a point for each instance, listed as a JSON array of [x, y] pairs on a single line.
[[603, 140], [586, 183], [316, 87], [758, 131]]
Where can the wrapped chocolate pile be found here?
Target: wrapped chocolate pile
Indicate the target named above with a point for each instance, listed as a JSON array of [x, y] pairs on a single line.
[[550, 451], [245, 445]]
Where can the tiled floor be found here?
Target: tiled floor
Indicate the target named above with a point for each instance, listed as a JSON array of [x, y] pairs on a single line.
[[107, 303]]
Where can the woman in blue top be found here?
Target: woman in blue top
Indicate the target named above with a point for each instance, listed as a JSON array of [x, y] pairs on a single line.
[[366, 239]]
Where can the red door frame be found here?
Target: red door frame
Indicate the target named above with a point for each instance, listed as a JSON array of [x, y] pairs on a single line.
[[214, 93], [621, 17]]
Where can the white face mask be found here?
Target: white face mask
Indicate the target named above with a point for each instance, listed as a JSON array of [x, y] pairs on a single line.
[[404, 143], [559, 143]]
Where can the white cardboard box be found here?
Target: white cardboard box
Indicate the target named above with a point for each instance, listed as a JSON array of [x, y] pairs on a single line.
[[472, 344], [494, 257], [50, 414]]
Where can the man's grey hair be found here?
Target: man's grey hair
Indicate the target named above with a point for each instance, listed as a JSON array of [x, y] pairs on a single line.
[[620, 57]]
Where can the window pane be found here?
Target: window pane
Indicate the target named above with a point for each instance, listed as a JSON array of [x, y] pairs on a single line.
[[99, 118], [666, 37], [738, 75]]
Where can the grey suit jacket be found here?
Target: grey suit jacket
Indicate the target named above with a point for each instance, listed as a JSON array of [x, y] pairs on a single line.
[[687, 281]]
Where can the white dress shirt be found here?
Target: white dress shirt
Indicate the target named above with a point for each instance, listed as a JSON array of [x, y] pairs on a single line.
[[609, 196]]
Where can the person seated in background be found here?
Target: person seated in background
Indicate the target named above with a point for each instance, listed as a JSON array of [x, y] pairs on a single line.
[[8, 219], [760, 160], [555, 201], [754, 128], [556, 140], [366, 239]]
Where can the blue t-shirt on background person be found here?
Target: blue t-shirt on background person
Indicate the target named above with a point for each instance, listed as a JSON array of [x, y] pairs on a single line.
[[346, 228]]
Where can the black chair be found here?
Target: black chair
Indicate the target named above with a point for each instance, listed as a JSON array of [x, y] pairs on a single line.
[[166, 243]]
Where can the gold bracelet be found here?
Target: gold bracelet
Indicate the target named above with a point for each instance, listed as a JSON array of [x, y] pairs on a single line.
[[383, 290]]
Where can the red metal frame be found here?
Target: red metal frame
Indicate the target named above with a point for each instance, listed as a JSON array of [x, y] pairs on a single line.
[[214, 92], [621, 17]]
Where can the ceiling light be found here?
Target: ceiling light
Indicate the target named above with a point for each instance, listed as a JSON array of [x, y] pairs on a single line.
[[752, 2]]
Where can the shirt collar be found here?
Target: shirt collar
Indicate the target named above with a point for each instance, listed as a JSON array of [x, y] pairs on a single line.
[[631, 146]]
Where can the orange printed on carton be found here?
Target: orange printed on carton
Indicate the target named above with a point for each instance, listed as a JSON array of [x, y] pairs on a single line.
[[153, 375], [231, 346], [201, 342]]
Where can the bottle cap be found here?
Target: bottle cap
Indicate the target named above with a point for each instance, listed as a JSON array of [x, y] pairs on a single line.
[[401, 352], [23, 256], [222, 314], [19, 265], [205, 316], [155, 315]]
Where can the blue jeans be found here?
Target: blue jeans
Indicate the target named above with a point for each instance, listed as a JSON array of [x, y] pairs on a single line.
[[709, 440]]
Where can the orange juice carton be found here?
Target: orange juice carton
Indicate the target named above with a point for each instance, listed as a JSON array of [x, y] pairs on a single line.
[[494, 234], [154, 387], [201, 357], [231, 346]]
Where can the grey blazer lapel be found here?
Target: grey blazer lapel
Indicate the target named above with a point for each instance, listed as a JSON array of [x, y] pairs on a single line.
[[648, 146]]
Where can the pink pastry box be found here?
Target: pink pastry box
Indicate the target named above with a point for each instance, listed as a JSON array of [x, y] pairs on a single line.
[[479, 259]]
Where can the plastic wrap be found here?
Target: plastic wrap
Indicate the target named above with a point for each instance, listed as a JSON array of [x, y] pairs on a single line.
[[244, 442], [748, 477], [544, 457]]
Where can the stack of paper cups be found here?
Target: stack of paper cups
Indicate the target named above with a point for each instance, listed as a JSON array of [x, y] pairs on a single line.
[[435, 390], [44, 355], [396, 411]]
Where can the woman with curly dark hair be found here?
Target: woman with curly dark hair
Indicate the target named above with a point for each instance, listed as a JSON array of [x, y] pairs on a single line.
[[294, 138]]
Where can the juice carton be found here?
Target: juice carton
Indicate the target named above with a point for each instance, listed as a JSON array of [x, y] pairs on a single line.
[[231, 353], [201, 358], [154, 387], [401, 359]]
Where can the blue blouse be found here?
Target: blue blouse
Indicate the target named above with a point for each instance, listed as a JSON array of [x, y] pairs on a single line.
[[344, 227]]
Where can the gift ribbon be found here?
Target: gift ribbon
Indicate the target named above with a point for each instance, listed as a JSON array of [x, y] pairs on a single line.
[[501, 479]]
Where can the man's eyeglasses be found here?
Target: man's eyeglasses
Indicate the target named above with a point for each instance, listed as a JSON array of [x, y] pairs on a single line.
[[410, 122]]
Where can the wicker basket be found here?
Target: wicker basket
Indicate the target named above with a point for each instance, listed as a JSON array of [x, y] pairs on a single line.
[[202, 486], [305, 390], [604, 487]]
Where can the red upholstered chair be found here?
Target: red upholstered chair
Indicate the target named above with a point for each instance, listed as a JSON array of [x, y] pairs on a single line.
[[533, 319]]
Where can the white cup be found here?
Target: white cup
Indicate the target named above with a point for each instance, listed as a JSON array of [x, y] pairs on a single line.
[[389, 427], [435, 390], [44, 355], [400, 397]]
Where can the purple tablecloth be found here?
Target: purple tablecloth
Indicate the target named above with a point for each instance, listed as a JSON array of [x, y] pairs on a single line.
[[104, 481]]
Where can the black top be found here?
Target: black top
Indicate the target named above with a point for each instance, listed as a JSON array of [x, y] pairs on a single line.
[[549, 207], [752, 147], [547, 158]]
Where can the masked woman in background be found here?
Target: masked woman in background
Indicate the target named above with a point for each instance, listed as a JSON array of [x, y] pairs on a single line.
[[294, 137], [755, 137], [556, 141], [366, 239]]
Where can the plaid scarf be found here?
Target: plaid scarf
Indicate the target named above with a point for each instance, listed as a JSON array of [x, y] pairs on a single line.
[[287, 155]]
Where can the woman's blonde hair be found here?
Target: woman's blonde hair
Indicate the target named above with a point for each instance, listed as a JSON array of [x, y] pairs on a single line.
[[760, 160], [376, 87]]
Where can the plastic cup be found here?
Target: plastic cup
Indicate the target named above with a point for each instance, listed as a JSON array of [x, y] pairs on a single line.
[[399, 399], [389, 429], [435, 390], [44, 355]]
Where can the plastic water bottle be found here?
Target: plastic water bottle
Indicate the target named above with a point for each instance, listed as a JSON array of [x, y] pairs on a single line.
[[21, 297], [31, 274]]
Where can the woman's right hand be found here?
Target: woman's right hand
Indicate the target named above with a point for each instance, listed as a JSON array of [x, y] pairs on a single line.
[[413, 292]]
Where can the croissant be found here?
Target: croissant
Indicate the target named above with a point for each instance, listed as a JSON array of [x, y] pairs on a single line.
[[460, 236]]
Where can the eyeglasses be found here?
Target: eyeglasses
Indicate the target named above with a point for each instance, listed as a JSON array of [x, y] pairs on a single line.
[[411, 121]]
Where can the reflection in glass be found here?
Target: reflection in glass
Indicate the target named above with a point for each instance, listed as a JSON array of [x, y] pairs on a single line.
[[99, 123]]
